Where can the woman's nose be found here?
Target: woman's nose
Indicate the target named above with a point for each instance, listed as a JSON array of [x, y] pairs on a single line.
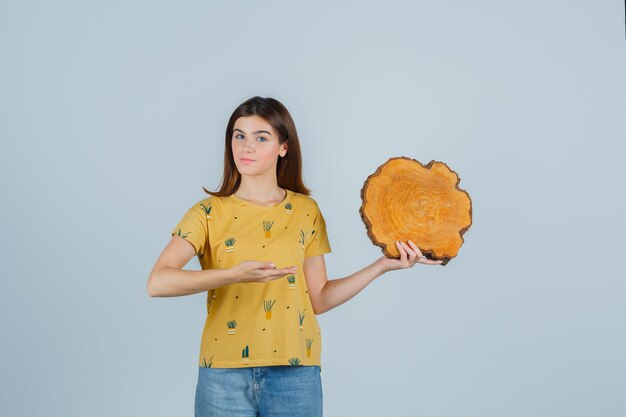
[[247, 146]]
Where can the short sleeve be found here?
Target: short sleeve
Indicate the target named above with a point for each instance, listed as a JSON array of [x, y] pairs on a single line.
[[318, 242], [193, 227]]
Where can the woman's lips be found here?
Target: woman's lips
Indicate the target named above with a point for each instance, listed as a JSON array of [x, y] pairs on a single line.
[[246, 161]]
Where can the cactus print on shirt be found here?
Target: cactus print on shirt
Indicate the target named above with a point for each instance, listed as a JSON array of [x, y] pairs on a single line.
[[257, 324]]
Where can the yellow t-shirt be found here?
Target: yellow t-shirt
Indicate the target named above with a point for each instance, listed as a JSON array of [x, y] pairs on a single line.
[[257, 324]]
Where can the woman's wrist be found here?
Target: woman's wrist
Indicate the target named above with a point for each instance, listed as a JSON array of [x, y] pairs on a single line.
[[232, 275], [381, 268]]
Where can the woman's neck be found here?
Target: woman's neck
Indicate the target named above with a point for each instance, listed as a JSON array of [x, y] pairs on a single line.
[[260, 193]]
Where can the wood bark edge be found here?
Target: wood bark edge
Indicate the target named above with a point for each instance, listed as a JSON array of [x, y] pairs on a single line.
[[368, 224]]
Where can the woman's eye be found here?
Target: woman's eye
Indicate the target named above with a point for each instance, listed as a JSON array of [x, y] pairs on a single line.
[[260, 138]]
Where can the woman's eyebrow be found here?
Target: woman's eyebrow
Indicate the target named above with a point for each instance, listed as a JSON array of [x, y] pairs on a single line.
[[254, 133]]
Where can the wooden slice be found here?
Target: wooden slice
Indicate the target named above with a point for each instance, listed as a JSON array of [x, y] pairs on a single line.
[[405, 200]]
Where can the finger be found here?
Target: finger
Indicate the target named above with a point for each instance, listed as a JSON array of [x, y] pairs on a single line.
[[427, 261], [271, 265], [403, 255], [265, 265], [287, 270], [274, 275], [269, 277], [415, 248], [410, 256], [280, 272], [410, 251]]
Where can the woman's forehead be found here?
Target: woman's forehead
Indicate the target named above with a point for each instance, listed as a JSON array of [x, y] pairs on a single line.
[[251, 124]]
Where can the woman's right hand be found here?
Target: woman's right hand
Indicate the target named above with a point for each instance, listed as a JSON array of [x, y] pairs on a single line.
[[254, 271]]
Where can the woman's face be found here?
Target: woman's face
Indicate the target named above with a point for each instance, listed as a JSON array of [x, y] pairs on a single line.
[[255, 146]]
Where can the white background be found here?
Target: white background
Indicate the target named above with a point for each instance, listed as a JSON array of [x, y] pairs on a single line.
[[112, 118]]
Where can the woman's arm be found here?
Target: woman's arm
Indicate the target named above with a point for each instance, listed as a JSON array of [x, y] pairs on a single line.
[[325, 294], [168, 279]]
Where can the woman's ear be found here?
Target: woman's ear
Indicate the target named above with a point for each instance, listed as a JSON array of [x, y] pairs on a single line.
[[283, 149]]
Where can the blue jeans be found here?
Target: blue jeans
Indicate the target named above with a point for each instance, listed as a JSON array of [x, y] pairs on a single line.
[[272, 391]]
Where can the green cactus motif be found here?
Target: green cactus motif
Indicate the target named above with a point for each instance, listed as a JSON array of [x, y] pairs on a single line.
[[291, 279], [245, 354], [267, 306], [206, 364], [309, 343], [288, 208], [232, 326], [267, 226], [230, 243], [301, 317], [183, 235], [295, 362], [207, 209], [303, 236]]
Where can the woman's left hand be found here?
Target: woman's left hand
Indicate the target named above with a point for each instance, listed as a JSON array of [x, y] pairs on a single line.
[[410, 254]]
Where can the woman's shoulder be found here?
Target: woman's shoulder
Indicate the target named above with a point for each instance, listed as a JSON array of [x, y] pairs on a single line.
[[303, 199], [207, 203]]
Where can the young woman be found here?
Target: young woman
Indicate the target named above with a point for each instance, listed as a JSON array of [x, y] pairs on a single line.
[[261, 240]]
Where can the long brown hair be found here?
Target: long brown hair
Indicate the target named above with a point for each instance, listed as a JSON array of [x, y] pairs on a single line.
[[288, 168]]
